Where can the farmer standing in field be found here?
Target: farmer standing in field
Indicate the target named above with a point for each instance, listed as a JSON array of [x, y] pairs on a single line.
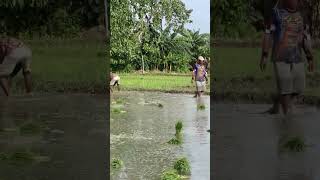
[[199, 74], [290, 35], [14, 56]]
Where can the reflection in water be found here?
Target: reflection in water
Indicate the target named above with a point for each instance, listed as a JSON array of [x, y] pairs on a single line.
[[250, 142], [139, 137], [53, 137]]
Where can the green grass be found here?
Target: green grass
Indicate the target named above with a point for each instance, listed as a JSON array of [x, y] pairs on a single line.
[[179, 127], [66, 65], [157, 82], [237, 76]]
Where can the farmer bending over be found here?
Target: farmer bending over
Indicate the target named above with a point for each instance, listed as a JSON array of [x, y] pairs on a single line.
[[200, 75], [290, 36], [14, 56], [114, 80]]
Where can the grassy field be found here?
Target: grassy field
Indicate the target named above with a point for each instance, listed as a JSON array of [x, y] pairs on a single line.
[[178, 83], [237, 75], [66, 65]]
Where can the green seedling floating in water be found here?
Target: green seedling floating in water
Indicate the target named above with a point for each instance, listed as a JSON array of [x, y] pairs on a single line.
[[116, 164], [179, 127], [170, 175], [120, 101], [201, 107], [175, 141], [182, 166], [295, 144], [117, 111]]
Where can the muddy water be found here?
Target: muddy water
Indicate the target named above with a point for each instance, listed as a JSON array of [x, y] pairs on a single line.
[[67, 140], [246, 143], [139, 134]]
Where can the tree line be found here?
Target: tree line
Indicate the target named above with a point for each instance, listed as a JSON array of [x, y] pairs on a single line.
[[151, 35]]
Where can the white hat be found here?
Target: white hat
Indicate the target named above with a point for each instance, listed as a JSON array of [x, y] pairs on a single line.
[[200, 58]]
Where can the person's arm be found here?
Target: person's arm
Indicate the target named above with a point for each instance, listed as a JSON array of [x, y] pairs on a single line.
[[307, 47], [193, 74], [267, 38]]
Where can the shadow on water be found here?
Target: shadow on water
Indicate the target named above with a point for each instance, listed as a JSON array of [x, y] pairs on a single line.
[[140, 134], [253, 143], [53, 137]]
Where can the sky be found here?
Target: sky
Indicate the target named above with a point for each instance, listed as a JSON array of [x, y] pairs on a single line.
[[200, 15]]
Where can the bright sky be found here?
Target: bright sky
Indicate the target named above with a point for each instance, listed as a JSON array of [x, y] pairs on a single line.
[[200, 15]]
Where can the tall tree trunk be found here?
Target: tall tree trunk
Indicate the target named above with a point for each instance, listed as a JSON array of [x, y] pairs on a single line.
[[142, 64]]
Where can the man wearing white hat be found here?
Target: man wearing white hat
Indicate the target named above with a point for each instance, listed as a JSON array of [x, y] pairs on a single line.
[[200, 76]]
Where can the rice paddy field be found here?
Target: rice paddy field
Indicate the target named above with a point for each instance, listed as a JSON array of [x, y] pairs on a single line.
[[66, 66], [237, 76], [177, 83]]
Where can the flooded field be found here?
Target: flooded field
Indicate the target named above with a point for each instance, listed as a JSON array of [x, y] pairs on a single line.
[[143, 123], [249, 145], [49, 137]]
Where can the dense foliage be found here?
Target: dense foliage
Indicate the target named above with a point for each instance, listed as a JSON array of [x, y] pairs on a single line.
[[243, 18], [150, 35], [49, 17]]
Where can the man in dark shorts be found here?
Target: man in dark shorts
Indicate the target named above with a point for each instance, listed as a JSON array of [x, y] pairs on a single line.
[[14, 56], [290, 35]]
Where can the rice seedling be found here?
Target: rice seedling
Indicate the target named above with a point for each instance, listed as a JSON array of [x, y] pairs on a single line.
[[116, 164], [182, 166], [201, 107], [170, 175], [179, 127], [295, 144]]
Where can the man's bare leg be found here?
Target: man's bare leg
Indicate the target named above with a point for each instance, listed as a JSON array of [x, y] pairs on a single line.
[[27, 81], [285, 102], [5, 85]]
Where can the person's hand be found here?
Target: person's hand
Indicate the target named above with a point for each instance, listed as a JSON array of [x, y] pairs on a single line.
[[311, 66], [263, 63]]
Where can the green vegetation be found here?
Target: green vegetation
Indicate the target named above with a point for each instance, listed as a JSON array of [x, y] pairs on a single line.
[[179, 127], [160, 105], [201, 107], [170, 175], [116, 164], [294, 144], [242, 19], [154, 37], [54, 18], [177, 140], [66, 66], [243, 80], [182, 166], [175, 83]]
